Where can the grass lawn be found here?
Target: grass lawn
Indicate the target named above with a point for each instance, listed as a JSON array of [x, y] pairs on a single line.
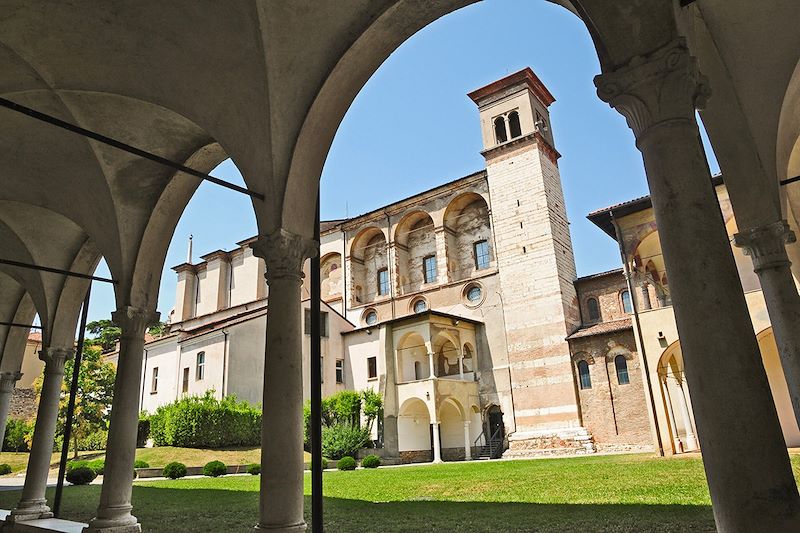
[[622, 493], [157, 457]]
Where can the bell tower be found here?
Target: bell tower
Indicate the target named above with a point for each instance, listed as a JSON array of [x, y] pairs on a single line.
[[535, 261]]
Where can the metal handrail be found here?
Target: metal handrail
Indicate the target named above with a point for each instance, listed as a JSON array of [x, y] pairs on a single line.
[[490, 441]]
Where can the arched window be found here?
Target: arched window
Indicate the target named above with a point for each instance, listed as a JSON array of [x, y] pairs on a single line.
[[500, 130], [371, 318], [621, 365], [583, 374], [594, 309], [513, 124], [627, 306], [417, 370], [420, 306]]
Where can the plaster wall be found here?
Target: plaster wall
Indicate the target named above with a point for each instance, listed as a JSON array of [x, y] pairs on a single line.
[[164, 356], [32, 366]]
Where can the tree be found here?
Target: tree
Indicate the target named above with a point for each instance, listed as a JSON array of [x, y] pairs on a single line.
[[93, 399], [106, 334]]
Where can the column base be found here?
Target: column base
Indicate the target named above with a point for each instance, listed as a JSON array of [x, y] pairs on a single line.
[[294, 528], [30, 510], [123, 522]]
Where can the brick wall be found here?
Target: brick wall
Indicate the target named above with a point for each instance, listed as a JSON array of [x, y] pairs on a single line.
[[625, 420], [606, 289]]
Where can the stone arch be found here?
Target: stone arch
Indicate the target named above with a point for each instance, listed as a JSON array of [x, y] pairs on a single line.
[[414, 240], [412, 358], [470, 357], [466, 223], [414, 430], [368, 258]]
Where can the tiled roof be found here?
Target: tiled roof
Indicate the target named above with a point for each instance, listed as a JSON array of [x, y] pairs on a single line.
[[602, 328], [35, 337], [600, 274]]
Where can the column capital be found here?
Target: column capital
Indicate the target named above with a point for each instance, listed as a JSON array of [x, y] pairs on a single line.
[[134, 320], [766, 244], [8, 380], [662, 87], [283, 253], [54, 359]]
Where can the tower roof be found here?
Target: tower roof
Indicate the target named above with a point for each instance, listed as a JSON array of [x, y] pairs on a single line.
[[526, 76]]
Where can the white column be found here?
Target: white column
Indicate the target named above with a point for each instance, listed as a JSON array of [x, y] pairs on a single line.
[[733, 405], [281, 498], [437, 445], [467, 442], [691, 439], [33, 504], [676, 438], [114, 511], [432, 364], [766, 245], [7, 382]]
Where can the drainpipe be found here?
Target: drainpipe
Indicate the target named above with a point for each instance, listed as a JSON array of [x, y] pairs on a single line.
[[635, 302], [224, 362]]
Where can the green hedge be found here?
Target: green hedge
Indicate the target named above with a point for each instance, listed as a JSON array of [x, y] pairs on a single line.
[[174, 470], [205, 422], [346, 463]]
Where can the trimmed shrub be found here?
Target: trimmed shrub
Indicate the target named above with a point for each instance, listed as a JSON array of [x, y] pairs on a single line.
[[17, 435], [138, 463], [254, 469], [324, 464], [82, 475], [81, 463], [174, 470], [340, 440], [142, 431], [98, 465], [5, 468], [215, 469], [346, 463], [205, 422], [371, 461]]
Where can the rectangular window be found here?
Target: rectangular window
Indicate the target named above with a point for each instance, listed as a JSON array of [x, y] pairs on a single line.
[[323, 323], [339, 371], [429, 268], [201, 366], [185, 387], [383, 281], [372, 367], [154, 381], [481, 250]]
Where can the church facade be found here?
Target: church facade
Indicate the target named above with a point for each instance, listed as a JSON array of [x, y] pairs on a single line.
[[455, 304]]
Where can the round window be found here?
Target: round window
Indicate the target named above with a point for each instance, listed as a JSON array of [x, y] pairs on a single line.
[[474, 294], [420, 306], [371, 318]]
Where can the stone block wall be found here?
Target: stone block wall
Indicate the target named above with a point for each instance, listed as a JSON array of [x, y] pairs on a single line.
[[23, 404], [416, 456]]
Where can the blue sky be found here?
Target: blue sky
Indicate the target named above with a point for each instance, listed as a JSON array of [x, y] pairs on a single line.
[[412, 127]]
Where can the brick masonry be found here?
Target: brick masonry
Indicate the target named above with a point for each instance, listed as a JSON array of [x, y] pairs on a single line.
[[615, 414]]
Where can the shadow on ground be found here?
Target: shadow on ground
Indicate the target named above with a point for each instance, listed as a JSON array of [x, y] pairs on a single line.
[[163, 510]]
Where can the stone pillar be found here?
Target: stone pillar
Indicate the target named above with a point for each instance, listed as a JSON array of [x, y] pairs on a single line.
[[646, 304], [7, 382], [437, 445], [114, 511], [442, 268], [432, 364], [766, 247], [33, 504], [467, 442], [745, 458], [691, 439], [281, 499]]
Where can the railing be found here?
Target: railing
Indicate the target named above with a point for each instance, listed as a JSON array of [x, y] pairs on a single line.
[[494, 445]]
